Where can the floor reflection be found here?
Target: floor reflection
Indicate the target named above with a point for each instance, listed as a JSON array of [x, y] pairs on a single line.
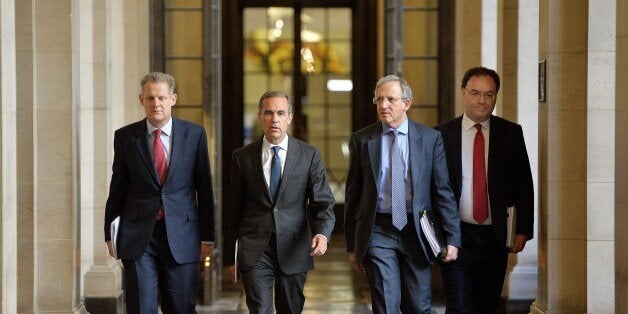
[[333, 287]]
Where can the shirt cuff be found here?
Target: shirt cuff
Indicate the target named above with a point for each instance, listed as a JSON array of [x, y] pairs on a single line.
[[321, 235]]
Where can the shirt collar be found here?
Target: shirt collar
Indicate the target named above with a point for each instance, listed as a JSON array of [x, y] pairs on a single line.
[[468, 124], [166, 129], [403, 128], [267, 145]]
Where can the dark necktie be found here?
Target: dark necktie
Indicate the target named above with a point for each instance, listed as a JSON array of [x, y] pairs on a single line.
[[161, 165], [398, 184], [480, 197], [275, 173]]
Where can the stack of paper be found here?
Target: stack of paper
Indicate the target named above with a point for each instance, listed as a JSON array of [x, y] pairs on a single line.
[[511, 225], [113, 231], [430, 235]]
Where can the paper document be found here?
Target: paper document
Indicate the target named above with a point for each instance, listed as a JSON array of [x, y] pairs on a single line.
[[430, 235], [113, 231], [235, 262], [511, 226]]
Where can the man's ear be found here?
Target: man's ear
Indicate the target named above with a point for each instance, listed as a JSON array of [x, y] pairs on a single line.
[[174, 99]]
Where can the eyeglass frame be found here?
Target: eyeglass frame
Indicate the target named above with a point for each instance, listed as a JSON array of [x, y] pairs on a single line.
[[476, 94], [391, 100]]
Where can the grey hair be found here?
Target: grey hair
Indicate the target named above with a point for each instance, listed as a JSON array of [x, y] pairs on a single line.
[[159, 77], [274, 94], [406, 91]]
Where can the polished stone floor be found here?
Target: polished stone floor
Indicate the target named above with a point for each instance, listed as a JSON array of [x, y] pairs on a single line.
[[332, 287]]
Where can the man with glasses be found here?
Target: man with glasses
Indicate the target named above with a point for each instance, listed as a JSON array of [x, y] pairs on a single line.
[[397, 173], [489, 172]]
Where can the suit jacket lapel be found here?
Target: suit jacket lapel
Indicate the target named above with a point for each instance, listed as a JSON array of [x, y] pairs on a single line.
[[415, 145], [141, 144], [177, 147], [255, 155], [493, 145], [375, 153], [292, 158], [455, 146]]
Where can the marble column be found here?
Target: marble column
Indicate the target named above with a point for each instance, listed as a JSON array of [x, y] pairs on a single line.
[[8, 157], [621, 166], [56, 217], [468, 52], [102, 277], [600, 115], [520, 104], [563, 158], [25, 162]]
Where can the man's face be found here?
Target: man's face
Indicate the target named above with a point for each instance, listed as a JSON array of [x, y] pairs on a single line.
[[391, 109], [157, 103], [275, 118], [479, 98]]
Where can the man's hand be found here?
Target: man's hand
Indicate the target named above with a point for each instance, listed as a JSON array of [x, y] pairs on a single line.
[[110, 248], [359, 268], [231, 273], [520, 243], [319, 245], [206, 250], [450, 254]]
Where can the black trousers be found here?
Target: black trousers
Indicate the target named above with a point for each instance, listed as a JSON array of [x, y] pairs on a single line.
[[260, 280], [474, 282]]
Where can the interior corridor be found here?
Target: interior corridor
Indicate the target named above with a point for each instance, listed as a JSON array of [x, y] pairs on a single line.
[[333, 287]]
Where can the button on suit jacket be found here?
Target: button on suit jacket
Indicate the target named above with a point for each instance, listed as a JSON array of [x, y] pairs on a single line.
[[136, 195], [304, 208], [508, 176], [430, 187]]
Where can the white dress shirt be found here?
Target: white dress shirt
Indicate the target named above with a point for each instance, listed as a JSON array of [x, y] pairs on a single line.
[[466, 194], [267, 156]]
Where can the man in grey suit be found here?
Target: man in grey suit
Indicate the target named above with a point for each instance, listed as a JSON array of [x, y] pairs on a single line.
[[397, 172], [280, 211]]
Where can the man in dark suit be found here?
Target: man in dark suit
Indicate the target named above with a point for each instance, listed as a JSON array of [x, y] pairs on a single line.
[[161, 190], [475, 139], [278, 199], [397, 172]]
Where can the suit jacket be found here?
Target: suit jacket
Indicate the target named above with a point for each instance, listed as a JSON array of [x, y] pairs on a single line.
[[304, 207], [136, 194], [430, 187], [509, 177]]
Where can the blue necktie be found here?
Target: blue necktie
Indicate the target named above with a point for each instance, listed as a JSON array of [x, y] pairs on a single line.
[[398, 184], [275, 173]]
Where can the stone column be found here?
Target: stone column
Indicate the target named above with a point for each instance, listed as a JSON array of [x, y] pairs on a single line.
[[520, 104], [8, 157], [562, 158], [25, 162], [102, 277], [56, 217], [600, 116], [621, 166]]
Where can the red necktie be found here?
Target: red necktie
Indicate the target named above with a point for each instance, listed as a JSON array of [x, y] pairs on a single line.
[[480, 198], [161, 165]]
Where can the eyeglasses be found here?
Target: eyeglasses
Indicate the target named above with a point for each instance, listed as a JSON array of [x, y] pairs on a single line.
[[476, 95], [380, 100]]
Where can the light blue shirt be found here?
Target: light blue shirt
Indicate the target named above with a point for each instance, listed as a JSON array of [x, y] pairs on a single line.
[[384, 199]]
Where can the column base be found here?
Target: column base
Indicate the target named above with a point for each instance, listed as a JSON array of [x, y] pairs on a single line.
[[104, 305]]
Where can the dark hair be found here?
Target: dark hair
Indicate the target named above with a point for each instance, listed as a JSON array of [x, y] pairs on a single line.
[[274, 94], [159, 77], [480, 71]]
